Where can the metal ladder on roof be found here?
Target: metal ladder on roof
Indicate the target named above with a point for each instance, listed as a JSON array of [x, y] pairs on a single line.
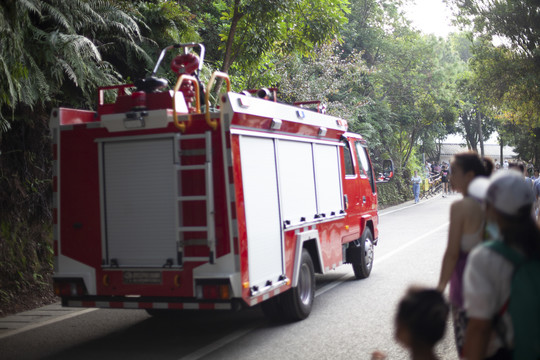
[[207, 198]]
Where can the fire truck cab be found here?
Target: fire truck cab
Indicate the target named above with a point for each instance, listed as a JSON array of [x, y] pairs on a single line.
[[161, 203]]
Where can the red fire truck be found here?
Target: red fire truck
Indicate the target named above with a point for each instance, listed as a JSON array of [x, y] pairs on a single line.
[[163, 202]]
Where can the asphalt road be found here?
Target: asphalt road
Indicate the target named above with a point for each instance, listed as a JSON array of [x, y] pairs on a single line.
[[350, 318]]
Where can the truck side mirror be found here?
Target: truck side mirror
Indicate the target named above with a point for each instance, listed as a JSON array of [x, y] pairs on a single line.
[[387, 173]]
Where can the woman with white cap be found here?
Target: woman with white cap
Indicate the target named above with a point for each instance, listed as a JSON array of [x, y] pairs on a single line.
[[488, 275]]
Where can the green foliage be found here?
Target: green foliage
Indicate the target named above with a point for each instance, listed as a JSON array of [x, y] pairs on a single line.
[[26, 219], [471, 104], [251, 29], [398, 89], [55, 49], [414, 88], [369, 24], [403, 91], [25, 261], [395, 191], [325, 77], [507, 76], [518, 21], [165, 23]]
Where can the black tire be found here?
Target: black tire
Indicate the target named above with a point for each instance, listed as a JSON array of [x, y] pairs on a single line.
[[298, 301], [272, 309], [362, 268]]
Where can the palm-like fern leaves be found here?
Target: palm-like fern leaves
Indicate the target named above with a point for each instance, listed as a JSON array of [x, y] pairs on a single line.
[[56, 49]]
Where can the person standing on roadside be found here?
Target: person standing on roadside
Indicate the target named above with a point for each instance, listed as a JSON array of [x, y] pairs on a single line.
[[444, 179], [465, 232], [488, 274], [416, 180], [520, 168]]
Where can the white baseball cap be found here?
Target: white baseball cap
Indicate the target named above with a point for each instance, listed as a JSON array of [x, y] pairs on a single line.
[[506, 190]]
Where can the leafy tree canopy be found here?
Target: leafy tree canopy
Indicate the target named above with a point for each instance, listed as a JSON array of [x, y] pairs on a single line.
[[54, 50], [251, 28], [507, 76]]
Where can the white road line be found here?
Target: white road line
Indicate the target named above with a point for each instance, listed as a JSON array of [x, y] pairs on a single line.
[[219, 343], [238, 334], [242, 332], [404, 246], [333, 284], [46, 322], [410, 206]]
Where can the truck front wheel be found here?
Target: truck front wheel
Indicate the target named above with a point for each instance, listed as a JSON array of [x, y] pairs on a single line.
[[362, 267], [298, 301]]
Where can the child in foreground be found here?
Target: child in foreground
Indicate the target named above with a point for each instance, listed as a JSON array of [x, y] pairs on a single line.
[[420, 323]]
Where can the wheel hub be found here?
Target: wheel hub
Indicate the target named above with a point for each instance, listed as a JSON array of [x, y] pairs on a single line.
[[368, 253], [304, 285]]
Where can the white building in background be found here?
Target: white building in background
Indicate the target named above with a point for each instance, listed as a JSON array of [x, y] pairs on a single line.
[[492, 151], [454, 144]]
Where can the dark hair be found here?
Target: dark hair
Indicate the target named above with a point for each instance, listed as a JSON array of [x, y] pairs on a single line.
[[488, 165], [518, 165], [424, 313], [522, 231], [470, 161]]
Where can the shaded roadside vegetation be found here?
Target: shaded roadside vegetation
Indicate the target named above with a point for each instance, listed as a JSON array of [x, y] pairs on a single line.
[[404, 91]]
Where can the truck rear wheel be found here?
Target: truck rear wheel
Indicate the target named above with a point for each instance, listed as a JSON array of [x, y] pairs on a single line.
[[298, 301], [362, 268], [272, 308]]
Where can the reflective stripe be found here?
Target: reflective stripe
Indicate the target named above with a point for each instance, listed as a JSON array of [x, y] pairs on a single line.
[[149, 305]]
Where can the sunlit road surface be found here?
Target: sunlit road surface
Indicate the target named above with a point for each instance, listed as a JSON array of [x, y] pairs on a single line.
[[350, 318]]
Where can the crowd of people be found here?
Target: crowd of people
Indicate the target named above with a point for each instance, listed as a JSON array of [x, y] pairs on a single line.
[[493, 248], [433, 173]]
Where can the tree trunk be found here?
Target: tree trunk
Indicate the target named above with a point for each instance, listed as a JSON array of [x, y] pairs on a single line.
[[536, 160], [480, 134], [502, 146], [227, 59], [409, 147], [230, 38]]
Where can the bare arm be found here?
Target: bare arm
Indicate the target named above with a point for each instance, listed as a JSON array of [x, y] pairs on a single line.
[[476, 339], [451, 254]]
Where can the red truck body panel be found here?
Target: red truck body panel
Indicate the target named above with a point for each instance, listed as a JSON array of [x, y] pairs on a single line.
[[151, 215]]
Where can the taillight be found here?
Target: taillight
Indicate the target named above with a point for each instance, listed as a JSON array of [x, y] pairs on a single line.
[[69, 287], [213, 291]]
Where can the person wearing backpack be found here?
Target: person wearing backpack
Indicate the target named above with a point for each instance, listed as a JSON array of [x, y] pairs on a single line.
[[502, 277]]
